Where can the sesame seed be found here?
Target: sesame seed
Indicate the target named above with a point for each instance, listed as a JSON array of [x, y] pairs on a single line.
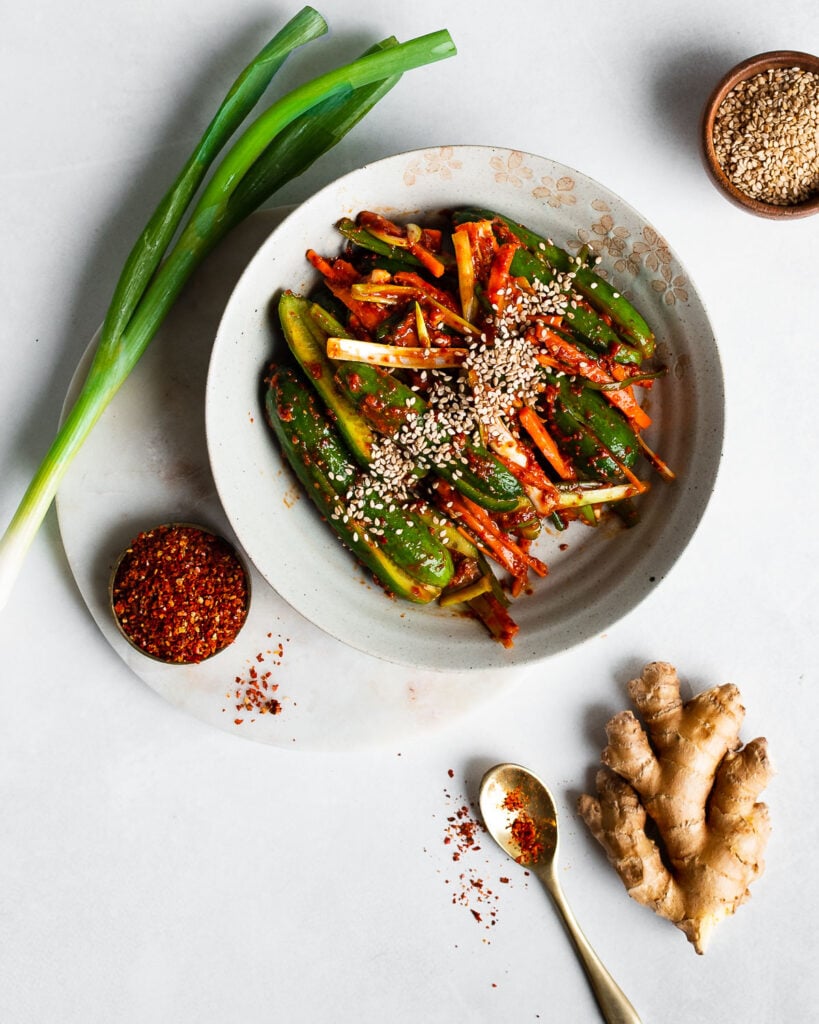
[[500, 372], [765, 135]]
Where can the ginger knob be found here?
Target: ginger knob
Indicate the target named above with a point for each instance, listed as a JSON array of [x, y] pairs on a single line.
[[684, 768]]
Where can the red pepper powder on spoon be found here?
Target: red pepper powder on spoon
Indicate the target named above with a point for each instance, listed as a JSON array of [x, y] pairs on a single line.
[[523, 829], [180, 593]]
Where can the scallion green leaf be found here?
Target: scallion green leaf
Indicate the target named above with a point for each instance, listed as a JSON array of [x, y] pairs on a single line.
[[243, 95], [279, 145]]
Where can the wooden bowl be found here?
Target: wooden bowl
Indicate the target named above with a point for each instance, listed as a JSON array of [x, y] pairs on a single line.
[[771, 60]]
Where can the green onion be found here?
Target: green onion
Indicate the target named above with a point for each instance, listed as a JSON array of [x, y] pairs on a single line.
[[626, 382], [281, 143], [240, 100]]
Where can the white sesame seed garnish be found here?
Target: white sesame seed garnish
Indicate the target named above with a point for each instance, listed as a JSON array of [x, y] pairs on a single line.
[[500, 372]]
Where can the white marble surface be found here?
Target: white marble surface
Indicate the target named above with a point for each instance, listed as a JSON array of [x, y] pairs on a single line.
[[153, 868]]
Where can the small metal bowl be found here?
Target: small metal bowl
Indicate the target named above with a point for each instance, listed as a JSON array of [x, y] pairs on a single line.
[[131, 637], [771, 60]]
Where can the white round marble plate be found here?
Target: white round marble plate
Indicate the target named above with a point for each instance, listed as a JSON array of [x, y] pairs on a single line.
[[602, 574], [146, 462]]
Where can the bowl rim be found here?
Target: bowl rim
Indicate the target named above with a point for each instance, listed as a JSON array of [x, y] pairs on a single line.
[[740, 72], [252, 293]]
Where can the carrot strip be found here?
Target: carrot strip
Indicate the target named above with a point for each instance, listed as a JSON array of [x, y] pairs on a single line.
[[368, 314], [501, 547], [340, 277], [422, 254], [623, 398], [536, 429], [539, 489], [431, 238], [499, 279], [549, 361]]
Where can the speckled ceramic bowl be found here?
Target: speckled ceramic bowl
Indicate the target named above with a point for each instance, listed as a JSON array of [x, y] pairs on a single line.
[[596, 575], [771, 60]]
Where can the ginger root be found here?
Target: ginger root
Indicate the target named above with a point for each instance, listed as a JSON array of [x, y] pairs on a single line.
[[689, 772]]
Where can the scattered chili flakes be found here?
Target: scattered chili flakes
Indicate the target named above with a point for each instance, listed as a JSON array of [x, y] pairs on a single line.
[[180, 593], [253, 692], [462, 834], [462, 829]]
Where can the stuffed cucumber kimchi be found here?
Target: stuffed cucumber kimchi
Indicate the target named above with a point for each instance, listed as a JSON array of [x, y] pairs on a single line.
[[453, 391]]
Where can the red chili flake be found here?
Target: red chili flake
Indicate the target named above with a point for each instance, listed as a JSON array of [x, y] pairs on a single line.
[[523, 829], [180, 593], [469, 889], [253, 691], [527, 837], [513, 801]]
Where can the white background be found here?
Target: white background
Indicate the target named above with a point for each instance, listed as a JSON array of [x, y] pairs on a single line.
[[153, 868]]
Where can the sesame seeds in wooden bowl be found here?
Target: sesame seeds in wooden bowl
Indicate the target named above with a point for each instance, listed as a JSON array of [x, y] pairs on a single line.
[[760, 134]]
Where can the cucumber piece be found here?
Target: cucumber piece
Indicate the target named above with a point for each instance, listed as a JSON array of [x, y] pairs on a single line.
[[404, 555], [387, 405], [591, 430], [308, 343], [599, 292], [585, 323]]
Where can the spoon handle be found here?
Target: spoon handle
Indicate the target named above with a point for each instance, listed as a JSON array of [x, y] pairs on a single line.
[[615, 1007]]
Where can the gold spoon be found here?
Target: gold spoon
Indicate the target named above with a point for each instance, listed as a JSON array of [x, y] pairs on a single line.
[[519, 813]]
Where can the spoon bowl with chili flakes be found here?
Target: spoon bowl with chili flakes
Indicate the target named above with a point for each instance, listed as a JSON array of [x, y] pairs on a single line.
[[520, 815]]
